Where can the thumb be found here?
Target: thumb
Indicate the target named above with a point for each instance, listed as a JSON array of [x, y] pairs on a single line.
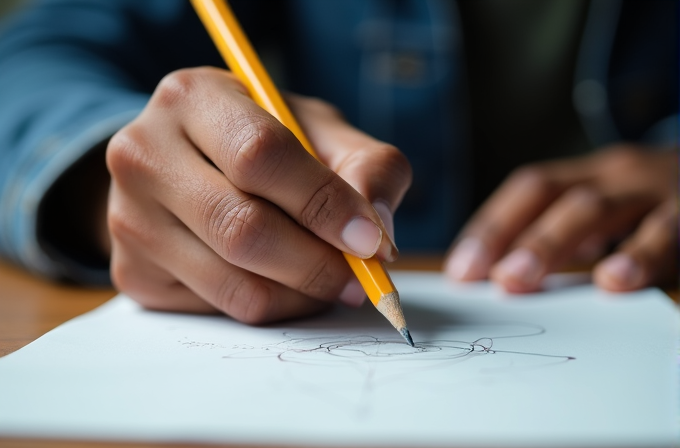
[[377, 170]]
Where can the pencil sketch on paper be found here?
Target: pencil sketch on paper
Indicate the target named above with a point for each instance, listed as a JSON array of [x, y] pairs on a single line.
[[367, 363], [304, 350]]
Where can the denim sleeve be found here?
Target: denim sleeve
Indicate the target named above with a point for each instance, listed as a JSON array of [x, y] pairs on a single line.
[[72, 73], [64, 88]]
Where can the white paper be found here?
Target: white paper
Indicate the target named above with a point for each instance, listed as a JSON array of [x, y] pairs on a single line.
[[489, 370]]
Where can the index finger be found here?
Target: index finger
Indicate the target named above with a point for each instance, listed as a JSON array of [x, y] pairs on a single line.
[[261, 157]]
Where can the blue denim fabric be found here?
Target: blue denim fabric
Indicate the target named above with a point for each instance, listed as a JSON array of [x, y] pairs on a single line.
[[72, 72]]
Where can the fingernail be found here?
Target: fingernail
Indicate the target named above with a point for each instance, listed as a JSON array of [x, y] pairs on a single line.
[[353, 295], [623, 269], [362, 236], [385, 214], [388, 250], [469, 260], [521, 265]]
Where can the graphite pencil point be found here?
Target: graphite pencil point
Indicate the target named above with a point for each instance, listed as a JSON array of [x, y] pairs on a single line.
[[405, 333]]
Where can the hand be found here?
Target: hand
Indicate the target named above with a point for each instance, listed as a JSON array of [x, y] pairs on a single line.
[[214, 205], [552, 213]]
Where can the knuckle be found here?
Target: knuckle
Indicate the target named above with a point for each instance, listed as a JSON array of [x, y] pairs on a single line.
[[258, 150], [544, 245], [322, 208], [533, 176], [622, 159], [123, 228], [132, 232], [395, 161], [128, 155], [175, 88], [247, 301], [127, 279], [239, 229], [588, 200]]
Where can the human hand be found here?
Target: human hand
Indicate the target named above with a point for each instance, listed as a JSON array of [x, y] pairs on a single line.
[[552, 213], [214, 205]]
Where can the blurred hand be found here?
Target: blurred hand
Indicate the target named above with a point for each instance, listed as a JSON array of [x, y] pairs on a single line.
[[214, 205], [552, 213]]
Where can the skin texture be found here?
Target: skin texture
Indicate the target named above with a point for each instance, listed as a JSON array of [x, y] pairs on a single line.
[[214, 205], [549, 214]]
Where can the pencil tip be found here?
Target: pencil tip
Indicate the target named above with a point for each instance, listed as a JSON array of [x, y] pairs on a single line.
[[405, 333]]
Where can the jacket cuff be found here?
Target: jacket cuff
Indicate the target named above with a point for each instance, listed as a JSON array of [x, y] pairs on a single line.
[[29, 186]]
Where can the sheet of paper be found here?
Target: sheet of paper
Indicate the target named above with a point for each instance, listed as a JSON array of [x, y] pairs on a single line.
[[571, 366]]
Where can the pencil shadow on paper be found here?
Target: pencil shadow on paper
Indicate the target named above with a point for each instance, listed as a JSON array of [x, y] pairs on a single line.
[[367, 319]]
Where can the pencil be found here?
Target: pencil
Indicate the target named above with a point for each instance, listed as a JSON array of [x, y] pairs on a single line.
[[238, 53]]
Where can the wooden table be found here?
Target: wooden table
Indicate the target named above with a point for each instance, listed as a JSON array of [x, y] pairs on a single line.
[[30, 307]]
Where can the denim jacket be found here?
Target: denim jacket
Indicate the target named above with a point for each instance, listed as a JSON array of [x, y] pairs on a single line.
[[73, 72]]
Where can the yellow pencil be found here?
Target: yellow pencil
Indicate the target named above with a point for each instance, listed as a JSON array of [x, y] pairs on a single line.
[[239, 55]]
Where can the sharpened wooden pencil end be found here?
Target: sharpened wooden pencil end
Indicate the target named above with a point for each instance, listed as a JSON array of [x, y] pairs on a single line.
[[390, 307]]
